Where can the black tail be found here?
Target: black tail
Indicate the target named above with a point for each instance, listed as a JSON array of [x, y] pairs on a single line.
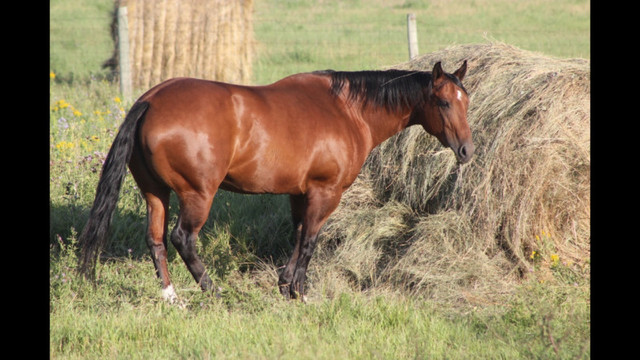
[[94, 234]]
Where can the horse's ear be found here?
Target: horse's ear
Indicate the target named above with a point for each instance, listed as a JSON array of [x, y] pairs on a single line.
[[462, 71], [437, 71]]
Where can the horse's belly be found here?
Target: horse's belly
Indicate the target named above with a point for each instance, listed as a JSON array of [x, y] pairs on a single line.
[[256, 179]]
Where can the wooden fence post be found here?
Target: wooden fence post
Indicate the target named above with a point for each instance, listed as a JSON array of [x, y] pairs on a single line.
[[123, 54], [412, 35]]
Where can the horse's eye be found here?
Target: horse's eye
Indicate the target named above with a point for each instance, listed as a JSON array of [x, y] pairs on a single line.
[[443, 103]]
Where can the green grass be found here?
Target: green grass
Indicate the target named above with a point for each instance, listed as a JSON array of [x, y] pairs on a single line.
[[298, 36], [79, 38], [123, 317], [247, 237]]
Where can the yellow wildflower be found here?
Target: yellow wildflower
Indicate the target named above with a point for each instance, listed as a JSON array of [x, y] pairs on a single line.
[[535, 256], [554, 259], [63, 145], [117, 99], [52, 75], [76, 112]]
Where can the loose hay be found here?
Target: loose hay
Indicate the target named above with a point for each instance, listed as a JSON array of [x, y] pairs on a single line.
[[417, 221]]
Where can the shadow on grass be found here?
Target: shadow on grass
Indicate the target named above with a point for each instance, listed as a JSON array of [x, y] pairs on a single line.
[[240, 230]]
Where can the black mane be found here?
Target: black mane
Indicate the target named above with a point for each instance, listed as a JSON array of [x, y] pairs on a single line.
[[392, 89]]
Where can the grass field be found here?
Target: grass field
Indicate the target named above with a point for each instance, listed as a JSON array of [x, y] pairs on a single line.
[[547, 315], [355, 35]]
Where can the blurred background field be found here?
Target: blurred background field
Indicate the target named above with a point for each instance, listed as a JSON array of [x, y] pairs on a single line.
[[519, 288], [296, 36]]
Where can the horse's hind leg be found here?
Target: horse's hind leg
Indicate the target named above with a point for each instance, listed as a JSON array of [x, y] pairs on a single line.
[[157, 198], [157, 220], [194, 210]]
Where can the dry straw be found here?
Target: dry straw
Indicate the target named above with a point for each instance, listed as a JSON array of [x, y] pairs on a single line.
[[416, 221], [210, 39]]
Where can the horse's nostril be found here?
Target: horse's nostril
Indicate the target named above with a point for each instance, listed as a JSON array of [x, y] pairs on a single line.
[[463, 151]]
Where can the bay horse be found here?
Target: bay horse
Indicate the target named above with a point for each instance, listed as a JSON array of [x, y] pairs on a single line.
[[306, 135]]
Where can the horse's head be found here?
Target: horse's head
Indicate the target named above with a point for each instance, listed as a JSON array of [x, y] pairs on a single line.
[[444, 113]]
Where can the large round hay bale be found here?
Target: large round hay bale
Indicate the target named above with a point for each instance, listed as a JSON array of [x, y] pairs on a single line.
[[433, 226], [210, 39]]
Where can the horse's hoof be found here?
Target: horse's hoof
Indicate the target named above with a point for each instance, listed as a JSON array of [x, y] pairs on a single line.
[[285, 291]]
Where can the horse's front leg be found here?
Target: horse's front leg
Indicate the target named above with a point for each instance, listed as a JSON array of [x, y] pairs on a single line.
[[319, 204], [286, 276]]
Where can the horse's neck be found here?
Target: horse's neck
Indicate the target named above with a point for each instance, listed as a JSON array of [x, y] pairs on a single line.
[[383, 124]]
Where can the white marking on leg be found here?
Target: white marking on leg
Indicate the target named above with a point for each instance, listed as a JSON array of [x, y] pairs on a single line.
[[169, 294]]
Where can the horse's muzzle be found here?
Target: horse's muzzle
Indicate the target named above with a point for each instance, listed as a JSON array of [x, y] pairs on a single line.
[[465, 152]]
